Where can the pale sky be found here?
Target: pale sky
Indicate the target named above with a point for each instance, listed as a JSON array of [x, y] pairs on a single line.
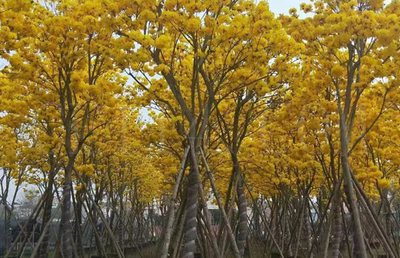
[[283, 6]]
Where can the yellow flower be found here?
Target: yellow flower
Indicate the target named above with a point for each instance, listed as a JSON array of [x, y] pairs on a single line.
[[193, 24], [337, 71], [162, 41], [147, 15], [384, 183], [161, 68]]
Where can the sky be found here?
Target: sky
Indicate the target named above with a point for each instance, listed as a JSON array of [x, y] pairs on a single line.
[[283, 6]]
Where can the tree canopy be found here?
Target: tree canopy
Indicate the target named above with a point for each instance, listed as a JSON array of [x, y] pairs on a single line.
[[135, 117]]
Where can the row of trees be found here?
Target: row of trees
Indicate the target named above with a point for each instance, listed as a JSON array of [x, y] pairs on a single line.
[[295, 119]]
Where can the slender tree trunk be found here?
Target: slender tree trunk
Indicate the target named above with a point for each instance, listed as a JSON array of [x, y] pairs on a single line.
[[242, 227], [375, 222], [388, 212], [7, 211], [66, 229], [242, 207], [97, 231], [207, 219], [223, 212], [191, 215], [306, 229], [257, 227], [7, 227], [326, 236], [360, 249], [171, 209], [337, 226], [78, 222], [46, 217], [300, 228], [179, 234], [121, 232]]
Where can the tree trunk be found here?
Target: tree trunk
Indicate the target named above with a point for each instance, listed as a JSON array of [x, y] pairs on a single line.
[[306, 229], [223, 212], [66, 230], [326, 236], [242, 227], [78, 222], [360, 249], [257, 227], [337, 226], [388, 212], [46, 217], [242, 207], [191, 215], [171, 209], [7, 229]]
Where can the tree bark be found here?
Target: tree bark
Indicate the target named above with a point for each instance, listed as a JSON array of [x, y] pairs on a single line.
[[171, 208], [360, 249], [46, 217], [191, 215], [66, 229], [337, 226], [242, 207], [221, 208], [242, 227], [306, 229]]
